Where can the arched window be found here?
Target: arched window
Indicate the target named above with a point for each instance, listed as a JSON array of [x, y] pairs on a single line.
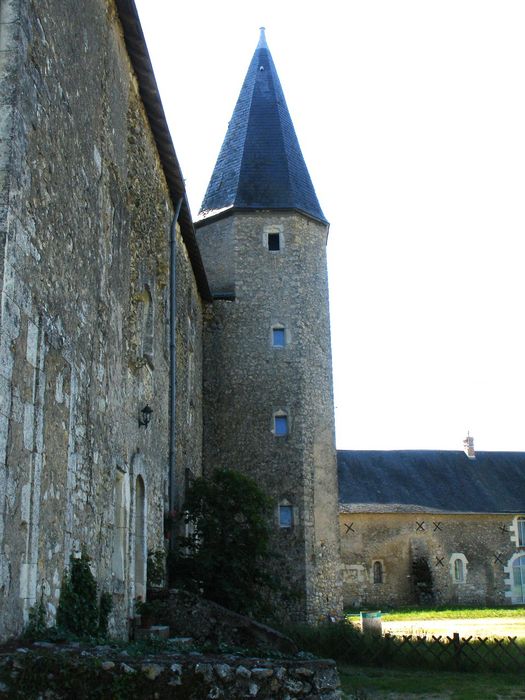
[[377, 571], [459, 571], [518, 580], [140, 538], [458, 567]]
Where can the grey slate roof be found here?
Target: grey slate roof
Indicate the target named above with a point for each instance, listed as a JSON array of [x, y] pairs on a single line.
[[431, 481], [260, 165]]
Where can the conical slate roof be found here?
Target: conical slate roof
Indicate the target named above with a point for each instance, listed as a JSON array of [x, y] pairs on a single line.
[[260, 165]]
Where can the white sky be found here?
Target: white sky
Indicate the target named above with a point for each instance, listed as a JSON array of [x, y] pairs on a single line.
[[411, 119]]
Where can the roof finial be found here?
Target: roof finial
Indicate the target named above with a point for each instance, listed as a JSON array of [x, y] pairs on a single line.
[[262, 39]]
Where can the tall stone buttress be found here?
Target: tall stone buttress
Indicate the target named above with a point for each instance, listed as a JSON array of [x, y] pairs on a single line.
[[268, 400]]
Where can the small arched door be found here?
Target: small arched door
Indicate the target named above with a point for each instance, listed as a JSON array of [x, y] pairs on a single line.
[[140, 538]]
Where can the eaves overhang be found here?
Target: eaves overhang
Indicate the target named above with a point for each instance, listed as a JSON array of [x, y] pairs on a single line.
[[227, 211], [149, 93]]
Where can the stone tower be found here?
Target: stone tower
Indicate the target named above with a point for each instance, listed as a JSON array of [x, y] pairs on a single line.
[[268, 404]]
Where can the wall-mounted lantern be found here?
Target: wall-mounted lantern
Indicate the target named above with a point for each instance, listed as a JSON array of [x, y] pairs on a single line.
[[146, 416]]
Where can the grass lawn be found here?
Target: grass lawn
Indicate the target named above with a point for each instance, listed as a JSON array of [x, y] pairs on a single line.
[[443, 613], [367, 683]]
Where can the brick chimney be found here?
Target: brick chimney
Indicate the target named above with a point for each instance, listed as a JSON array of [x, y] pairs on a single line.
[[468, 446]]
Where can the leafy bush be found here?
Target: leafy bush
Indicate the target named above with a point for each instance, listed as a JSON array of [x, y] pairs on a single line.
[[156, 568], [226, 553], [36, 628], [78, 610]]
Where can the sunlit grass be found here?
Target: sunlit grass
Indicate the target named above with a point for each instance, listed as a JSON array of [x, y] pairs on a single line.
[[445, 613]]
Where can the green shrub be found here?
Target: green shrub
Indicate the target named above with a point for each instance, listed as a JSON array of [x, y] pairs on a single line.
[[79, 611], [36, 628], [156, 569], [226, 554]]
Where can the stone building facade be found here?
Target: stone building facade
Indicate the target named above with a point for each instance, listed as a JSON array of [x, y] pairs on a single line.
[[268, 404], [419, 526], [106, 311], [88, 198], [263, 382]]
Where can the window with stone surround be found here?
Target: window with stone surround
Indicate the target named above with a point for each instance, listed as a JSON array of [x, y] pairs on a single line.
[[377, 572], [458, 567], [273, 238], [280, 424], [278, 336], [459, 571], [274, 241], [286, 519]]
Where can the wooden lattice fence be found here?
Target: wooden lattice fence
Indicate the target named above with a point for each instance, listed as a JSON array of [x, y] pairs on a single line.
[[452, 653]]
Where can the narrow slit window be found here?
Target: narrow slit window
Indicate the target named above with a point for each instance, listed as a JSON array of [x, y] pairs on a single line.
[[378, 572], [521, 532], [274, 241], [280, 422], [278, 337], [459, 571]]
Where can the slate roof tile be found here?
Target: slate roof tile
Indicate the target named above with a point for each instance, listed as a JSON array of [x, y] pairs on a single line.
[[260, 165], [431, 480]]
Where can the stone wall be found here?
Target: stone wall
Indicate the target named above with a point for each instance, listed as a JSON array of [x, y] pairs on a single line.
[[65, 672], [209, 624], [84, 344], [247, 381], [483, 543]]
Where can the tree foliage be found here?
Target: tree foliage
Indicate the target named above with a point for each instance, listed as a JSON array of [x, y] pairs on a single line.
[[225, 556]]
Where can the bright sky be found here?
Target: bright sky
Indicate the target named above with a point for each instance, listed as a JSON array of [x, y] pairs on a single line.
[[411, 119]]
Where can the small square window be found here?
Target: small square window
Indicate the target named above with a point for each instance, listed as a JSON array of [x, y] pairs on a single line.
[[278, 339], [280, 425], [286, 516], [274, 241]]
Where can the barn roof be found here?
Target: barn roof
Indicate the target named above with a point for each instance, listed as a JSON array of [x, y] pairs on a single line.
[[260, 165], [431, 481]]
